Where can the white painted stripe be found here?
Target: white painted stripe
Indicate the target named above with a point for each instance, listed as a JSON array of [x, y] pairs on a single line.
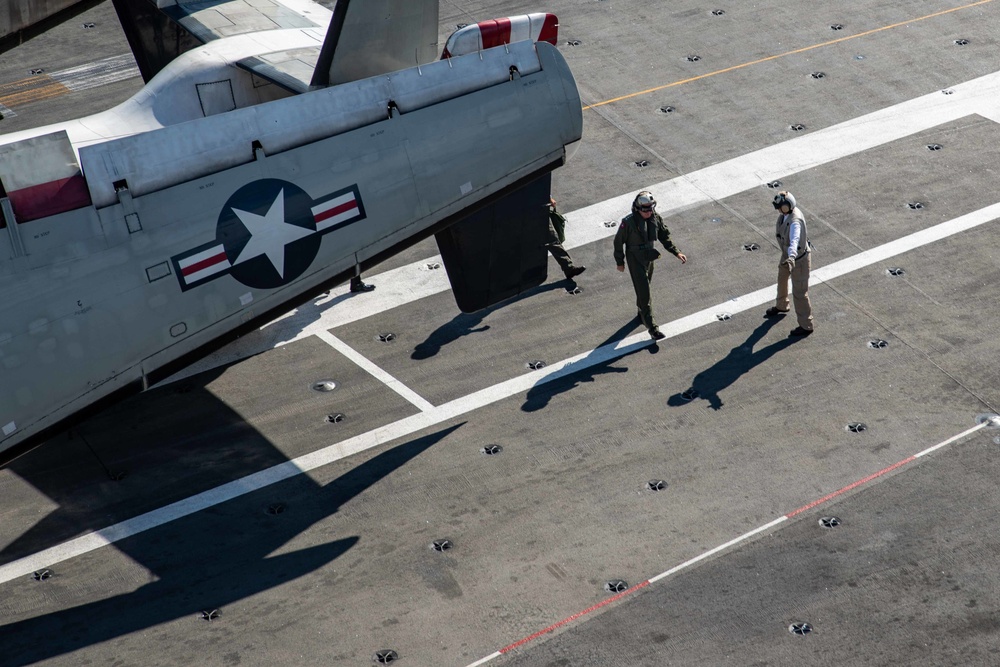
[[899, 246], [201, 256], [207, 272], [721, 547], [460, 406], [323, 225], [520, 28], [333, 203], [951, 440], [782, 160], [122, 530], [220, 265], [375, 371], [98, 73], [333, 221], [483, 661]]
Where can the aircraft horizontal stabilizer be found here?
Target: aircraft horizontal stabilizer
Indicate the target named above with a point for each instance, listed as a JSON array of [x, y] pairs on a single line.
[[499, 251], [41, 177]]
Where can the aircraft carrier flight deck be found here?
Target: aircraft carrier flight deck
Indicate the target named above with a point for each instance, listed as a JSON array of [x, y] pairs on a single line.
[[379, 477]]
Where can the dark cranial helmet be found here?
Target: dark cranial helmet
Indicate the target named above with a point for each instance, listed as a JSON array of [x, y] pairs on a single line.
[[783, 198], [644, 201]]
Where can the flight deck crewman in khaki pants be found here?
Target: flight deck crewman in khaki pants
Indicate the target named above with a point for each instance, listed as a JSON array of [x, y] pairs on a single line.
[[795, 262]]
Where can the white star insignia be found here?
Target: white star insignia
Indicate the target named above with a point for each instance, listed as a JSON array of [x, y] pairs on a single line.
[[269, 234]]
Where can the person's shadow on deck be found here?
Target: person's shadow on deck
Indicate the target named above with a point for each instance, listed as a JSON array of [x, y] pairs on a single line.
[[740, 360], [597, 362]]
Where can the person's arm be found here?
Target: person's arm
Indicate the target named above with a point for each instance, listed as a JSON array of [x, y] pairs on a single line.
[[620, 246], [664, 235], [794, 233], [557, 223]]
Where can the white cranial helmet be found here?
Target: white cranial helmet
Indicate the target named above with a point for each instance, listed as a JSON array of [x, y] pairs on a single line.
[[645, 200]]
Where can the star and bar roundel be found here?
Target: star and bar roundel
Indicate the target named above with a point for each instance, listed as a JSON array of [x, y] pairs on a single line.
[[268, 233]]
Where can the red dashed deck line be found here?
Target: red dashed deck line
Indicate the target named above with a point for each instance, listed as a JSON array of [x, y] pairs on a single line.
[[570, 619], [722, 547], [883, 471], [847, 488]]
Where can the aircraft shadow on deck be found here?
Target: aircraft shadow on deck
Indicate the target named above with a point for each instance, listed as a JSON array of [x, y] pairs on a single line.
[[151, 439], [723, 373], [196, 566]]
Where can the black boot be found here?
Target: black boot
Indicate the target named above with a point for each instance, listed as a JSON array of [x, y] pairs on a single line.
[[358, 285]]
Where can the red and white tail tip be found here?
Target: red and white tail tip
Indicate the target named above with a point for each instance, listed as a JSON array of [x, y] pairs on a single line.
[[538, 27]]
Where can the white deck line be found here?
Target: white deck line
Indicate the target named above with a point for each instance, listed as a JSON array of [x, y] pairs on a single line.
[[388, 380], [460, 406], [722, 547]]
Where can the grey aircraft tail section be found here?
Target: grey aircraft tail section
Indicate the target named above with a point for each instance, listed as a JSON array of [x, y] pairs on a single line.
[[371, 37], [185, 222]]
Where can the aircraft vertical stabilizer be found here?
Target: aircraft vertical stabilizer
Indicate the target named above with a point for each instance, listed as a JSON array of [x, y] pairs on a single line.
[[368, 38]]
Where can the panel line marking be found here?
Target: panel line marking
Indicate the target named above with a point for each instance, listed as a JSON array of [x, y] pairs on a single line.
[[377, 372], [465, 404], [786, 53]]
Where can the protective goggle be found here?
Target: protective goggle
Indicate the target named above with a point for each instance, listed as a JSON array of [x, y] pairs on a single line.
[[779, 201], [647, 209]]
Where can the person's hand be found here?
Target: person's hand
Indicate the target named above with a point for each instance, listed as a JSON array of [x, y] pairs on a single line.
[[621, 267], [681, 256], [789, 262]]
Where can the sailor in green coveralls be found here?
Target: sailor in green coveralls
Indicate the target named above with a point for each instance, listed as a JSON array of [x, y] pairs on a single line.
[[557, 236], [634, 245]]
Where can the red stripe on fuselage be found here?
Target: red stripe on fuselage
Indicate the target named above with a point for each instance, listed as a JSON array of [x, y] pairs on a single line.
[[336, 210], [45, 199], [495, 32], [204, 264]]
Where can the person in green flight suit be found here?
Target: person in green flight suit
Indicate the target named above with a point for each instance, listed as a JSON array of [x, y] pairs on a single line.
[[556, 237], [634, 245]]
